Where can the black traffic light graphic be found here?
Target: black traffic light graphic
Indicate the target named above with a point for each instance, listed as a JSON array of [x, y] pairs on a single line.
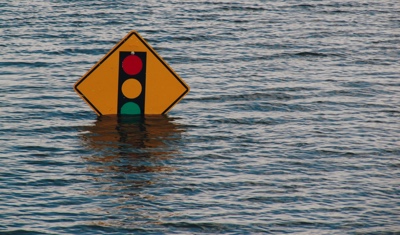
[[131, 82]]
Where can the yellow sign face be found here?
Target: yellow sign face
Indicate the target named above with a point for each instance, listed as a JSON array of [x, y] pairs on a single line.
[[131, 79]]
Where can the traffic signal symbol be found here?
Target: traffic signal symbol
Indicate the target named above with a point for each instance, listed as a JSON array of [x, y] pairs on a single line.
[[131, 82]]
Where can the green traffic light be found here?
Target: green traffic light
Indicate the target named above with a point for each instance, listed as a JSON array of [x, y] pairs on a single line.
[[130, 108]]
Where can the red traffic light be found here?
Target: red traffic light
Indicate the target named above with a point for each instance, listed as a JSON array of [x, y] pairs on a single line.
[[132, 65]]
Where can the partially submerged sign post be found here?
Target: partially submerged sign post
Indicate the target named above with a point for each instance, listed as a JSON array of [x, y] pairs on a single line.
[[131, 79]]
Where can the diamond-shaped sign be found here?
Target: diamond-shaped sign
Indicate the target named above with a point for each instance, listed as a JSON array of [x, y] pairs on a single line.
[[131, 79]]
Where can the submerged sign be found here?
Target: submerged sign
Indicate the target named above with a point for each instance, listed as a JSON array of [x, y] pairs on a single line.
[[131, 79]]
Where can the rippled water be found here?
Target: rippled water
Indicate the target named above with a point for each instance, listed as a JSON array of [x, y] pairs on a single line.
[[291, 125]]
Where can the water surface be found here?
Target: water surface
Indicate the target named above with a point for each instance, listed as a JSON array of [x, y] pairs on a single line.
[[291, 125]]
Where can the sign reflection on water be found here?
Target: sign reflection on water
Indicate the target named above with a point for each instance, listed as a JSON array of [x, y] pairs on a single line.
[[130, 156], [133, 143]]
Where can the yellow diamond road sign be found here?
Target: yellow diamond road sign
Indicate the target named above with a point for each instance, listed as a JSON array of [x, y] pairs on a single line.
[[131, 79]]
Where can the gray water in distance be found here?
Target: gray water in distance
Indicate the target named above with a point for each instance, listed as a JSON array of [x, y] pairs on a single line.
[[291, 125]]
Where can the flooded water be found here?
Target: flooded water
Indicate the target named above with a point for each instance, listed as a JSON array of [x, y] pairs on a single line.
[[291, 124]]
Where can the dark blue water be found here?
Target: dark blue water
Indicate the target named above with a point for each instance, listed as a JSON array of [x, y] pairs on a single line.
[[291, 125]]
